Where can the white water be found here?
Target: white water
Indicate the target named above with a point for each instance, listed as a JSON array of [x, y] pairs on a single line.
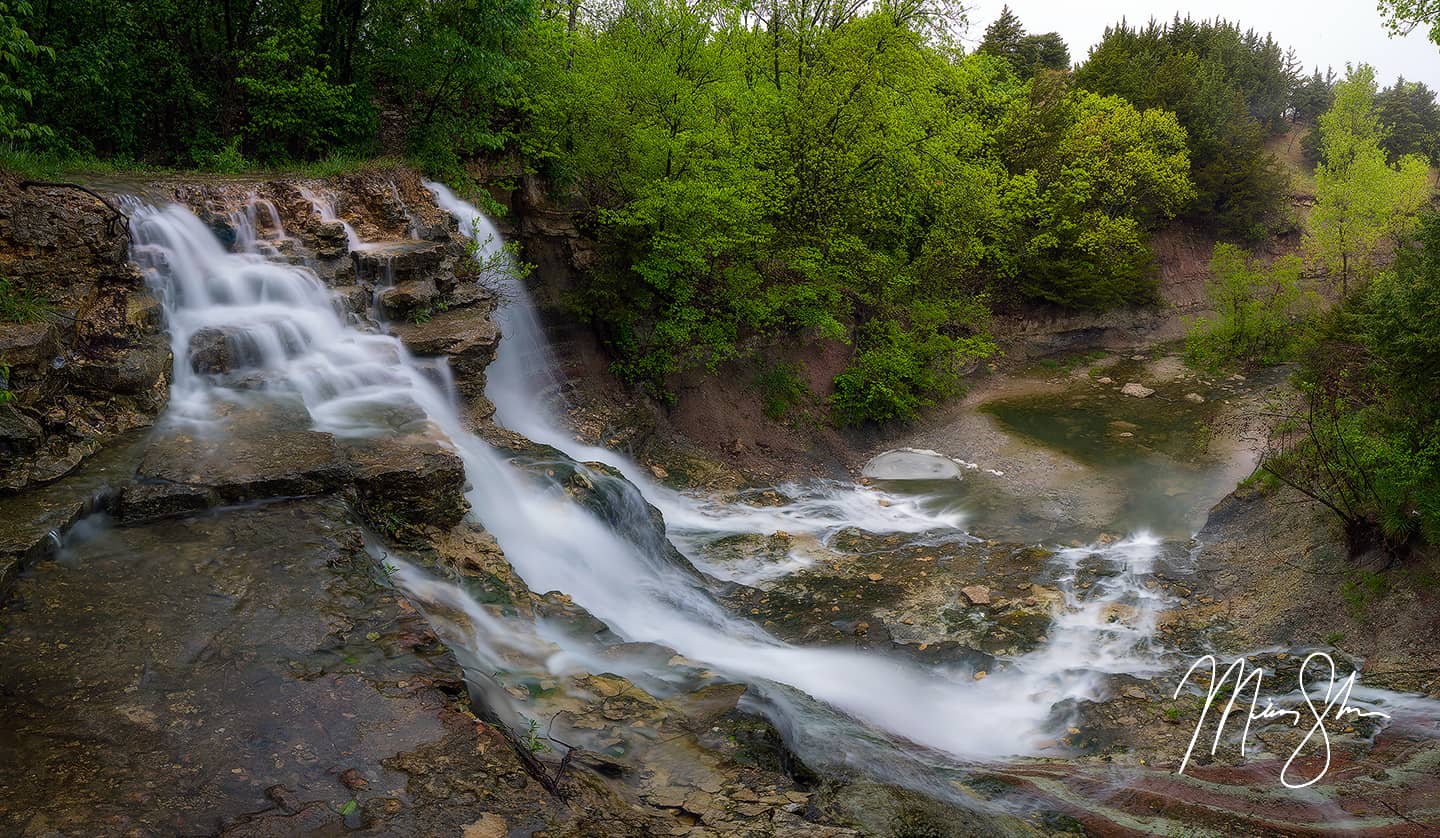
[[354, 382], [325, 206]]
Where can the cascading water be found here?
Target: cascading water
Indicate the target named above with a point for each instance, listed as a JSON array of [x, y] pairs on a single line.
[[891, 713]]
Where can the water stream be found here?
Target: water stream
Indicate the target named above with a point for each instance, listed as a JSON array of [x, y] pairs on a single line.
[[837, 705]]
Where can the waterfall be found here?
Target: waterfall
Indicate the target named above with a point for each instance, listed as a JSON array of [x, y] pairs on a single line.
[[354, 382]]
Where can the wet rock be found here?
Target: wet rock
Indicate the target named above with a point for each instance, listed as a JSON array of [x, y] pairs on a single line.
[[353, 299], [331, 241], [130, 370], [488, 826], [211, 351], [147, 501], [394, 263], [95, 359], [469, 294], [143, 313], [28, 348], [199, 634], [976, 594], [467, 336], [408, 299], [20, 435], [1139, 391], [403, 484], [1194, 398], [182, 473]]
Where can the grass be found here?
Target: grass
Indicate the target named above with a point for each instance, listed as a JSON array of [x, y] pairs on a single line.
[[1258, 484], [1069, 363], [19, 305], [1363, 589]]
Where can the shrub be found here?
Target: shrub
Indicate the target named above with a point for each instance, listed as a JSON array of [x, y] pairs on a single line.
[[1256, 309]]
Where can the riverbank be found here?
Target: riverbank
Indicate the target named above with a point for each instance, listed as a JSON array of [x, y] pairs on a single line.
[[569, 723]]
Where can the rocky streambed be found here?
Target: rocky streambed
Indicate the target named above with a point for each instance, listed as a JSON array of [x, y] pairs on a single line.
[[257, 624]]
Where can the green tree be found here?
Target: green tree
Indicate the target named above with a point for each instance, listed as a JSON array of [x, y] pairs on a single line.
[[1405, 16], [1362, 202], [1229, 88], [1410, 119], [1256, 310], [17, 50], [1026, 54]]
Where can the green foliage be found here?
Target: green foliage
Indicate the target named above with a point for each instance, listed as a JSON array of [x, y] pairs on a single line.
[[1370, 444], [851, 180], [20, 305], [228, 160], [533, 743], [1228, 89], [1402, 325], [295, 110], [1089, 173], [177, 83], [1362, 202], [1410, 121], [1027, 55], [1405, 16], [17, 53], [899, 368], [1311, 96], [781, 388], [1256, 309]]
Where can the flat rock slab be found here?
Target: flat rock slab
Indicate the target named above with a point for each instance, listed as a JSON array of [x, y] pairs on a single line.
[[251, 457], [252, 672], [171, 673], [34, 519]]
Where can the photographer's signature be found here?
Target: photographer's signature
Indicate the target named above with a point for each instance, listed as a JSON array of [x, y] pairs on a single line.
[[1334, 706]]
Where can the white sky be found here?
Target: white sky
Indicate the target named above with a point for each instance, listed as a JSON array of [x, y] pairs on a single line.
[[1323, 32]]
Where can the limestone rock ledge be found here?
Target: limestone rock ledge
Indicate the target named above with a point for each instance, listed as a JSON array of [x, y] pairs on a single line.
[[91, 362]]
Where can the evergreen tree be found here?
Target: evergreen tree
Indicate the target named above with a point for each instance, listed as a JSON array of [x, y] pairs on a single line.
[[1411, 121]]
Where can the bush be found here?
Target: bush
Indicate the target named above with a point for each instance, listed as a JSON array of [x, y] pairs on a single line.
[[1256, 310]]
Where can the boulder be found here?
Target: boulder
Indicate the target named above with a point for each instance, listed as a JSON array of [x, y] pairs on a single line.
[[28, 348], [404, 483], [468, 336], [353, 299], [128, 370], [211, 351], [1139, 391], [19, 434], [406, 299]]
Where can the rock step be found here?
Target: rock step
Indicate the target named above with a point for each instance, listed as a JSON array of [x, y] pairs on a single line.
[[35, 521]]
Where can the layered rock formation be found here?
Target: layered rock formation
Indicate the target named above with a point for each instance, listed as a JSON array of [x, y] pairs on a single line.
[[86, 358]]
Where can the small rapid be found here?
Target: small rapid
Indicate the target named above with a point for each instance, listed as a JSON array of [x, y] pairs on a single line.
[[355, 381]]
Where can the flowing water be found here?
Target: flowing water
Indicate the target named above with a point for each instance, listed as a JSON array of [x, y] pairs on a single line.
[[836, 705]]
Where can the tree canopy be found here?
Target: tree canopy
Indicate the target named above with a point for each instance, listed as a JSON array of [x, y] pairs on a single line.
[[1229, 88]]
